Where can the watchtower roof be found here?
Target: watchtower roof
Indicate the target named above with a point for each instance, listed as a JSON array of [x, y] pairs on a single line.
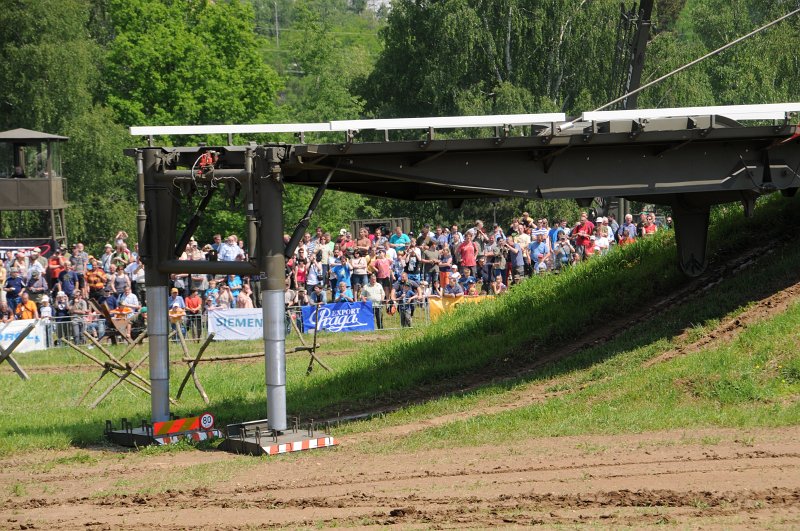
[[26, 135]]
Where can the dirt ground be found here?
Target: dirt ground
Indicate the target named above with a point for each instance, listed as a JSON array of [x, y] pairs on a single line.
[[709, 478]]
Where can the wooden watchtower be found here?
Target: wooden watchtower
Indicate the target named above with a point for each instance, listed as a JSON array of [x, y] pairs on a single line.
[[31, 179]]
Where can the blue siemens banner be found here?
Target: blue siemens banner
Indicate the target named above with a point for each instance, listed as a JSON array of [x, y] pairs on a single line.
[[340, 317]]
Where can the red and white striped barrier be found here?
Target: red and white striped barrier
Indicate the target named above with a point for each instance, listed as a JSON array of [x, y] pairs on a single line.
[[297, 446]]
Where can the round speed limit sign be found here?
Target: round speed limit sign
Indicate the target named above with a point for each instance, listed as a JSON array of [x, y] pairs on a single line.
[[207, 421]]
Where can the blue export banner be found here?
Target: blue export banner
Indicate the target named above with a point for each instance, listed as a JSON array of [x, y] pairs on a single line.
[[340, 317]]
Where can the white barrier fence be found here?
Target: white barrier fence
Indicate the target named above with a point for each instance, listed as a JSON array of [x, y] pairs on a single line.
[[36, 340]]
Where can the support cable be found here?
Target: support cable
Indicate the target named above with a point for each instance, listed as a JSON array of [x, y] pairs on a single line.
[[706, 56], [690, 64]]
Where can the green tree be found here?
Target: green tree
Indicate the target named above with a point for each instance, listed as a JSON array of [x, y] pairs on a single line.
[[440, 55], [325, 70], [762, 69], [187, 63], [49, 81], [47, 63]]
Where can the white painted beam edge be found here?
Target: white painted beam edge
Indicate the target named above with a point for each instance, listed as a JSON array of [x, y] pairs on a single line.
[[744, 117], [675, 112], [447, 122], [158, 130]]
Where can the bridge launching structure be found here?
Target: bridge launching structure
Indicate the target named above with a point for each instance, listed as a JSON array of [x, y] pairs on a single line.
[[689, 159]]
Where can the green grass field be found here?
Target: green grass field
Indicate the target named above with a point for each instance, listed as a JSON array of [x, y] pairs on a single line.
[[753, 381]]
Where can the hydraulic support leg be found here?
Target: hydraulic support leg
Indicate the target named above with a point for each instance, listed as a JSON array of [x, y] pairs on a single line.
[[272, 287], [157, 329], [691, 236], [161, 212]]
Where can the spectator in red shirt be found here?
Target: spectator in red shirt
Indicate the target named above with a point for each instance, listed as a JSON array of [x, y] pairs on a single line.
[[583, 237], [383, 271], [194, 306], [469, 253], [649, 227], [55, 265]]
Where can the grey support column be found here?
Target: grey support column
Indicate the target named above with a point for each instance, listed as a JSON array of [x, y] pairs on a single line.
[[270, 189], [153, 246], [157, 330]]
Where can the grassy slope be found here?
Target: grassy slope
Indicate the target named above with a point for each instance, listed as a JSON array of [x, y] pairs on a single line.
[[476, 339], [752, 381]]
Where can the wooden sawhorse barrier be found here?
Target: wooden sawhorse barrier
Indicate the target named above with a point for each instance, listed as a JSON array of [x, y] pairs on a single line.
[[113, 329], [193, 365], [116, 367], [312, 350], [5, 353], [194, 362]]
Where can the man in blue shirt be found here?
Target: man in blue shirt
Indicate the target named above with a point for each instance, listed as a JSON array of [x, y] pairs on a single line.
[[399, 240], [175, 298], [539, 247], [341, 268], [453, 289], [516, 258], [13, 288], [108, 300], [343, 294], [627, 226], [67, 280]]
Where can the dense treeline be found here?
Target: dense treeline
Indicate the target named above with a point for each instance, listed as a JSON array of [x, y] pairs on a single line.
[[88, 69]]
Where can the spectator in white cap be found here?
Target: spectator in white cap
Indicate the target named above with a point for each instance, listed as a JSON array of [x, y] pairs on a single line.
[[37, 261], [106, 258], [62, 316], [601, 240], [45, 310]]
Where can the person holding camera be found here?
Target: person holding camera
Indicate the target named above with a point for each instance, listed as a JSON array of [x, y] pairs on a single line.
[[516, 259], [413, 261], [562, 251], [314, 275], [340, 269], [405, 296]]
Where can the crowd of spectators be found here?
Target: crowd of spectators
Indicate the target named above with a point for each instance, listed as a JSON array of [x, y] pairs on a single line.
[[397, 272], [72, 289]]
